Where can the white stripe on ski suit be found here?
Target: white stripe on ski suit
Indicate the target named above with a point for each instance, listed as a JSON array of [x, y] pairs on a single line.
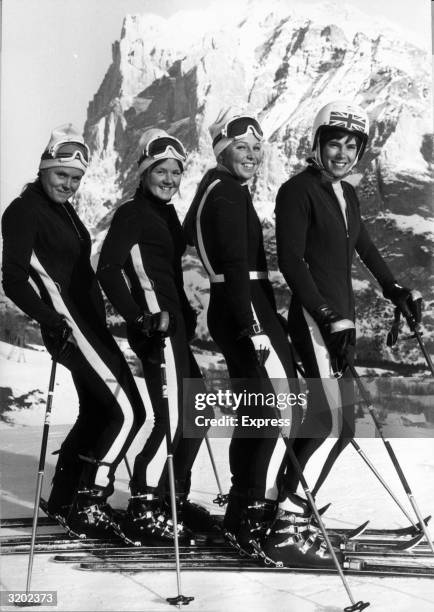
[[200, 244], [156, 465], [98, 365], [276, 373], [273, 364], [332, 392]]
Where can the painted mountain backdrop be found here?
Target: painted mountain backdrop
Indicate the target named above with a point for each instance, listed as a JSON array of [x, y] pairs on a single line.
[[282, 62]]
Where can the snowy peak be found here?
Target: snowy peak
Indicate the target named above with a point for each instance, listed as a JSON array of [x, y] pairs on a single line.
[[281, 64]]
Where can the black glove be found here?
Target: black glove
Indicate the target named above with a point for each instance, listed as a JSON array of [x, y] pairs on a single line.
[[160, 324], [58, 336], [339, 334], [260, 340], [409, 302]]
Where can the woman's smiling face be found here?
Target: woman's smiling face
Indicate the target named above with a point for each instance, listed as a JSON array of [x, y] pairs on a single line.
[[60, 183], [243, 156], [338, 155], [163, 179]]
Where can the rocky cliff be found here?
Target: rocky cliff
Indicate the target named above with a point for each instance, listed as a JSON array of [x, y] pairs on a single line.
[[283, 65]]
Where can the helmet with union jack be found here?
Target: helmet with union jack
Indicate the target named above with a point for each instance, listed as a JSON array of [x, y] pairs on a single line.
[[340, 115]]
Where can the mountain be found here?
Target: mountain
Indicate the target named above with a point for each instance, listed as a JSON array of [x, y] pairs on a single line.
[[283, 64]]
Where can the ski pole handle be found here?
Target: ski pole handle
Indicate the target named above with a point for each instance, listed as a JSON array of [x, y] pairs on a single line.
[[398, 468], [392, 336], [414, 315]]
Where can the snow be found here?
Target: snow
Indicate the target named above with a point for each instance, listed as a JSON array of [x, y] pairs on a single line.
[[416, 224], [360, 285], [26, 370], [355, 494]]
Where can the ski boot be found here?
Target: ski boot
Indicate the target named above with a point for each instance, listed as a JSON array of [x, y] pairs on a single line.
[[65, 482], [305, 521], [194, 516], [92, 517], [58, 514], [293, 540], [237, 503], [58, 511], [149, 523], [255, 521]]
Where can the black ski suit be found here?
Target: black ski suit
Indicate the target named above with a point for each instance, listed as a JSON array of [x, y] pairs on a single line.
[[224, 226], [315, 249], [47, 274], [144, 247]]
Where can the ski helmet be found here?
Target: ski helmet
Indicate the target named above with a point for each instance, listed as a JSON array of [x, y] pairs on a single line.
[[65, 149], [157, 145], [344, 116], [231, 125]]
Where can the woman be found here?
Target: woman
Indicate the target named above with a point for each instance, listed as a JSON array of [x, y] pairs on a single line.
[[318, 230], [243, 321], [140, 271], [47, 273]]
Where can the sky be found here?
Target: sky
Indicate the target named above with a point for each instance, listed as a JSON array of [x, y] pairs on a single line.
[[54, 54]]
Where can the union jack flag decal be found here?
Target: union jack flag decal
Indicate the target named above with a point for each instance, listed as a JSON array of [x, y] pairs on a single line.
[[349, 121]]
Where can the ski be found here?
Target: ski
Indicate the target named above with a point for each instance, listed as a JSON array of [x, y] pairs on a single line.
[[356, 541], [354, 533], [354, 566], [397, 546], [399, 532], [52, 543], [23, 522], [51, 547], [133, 556], [358, 532]]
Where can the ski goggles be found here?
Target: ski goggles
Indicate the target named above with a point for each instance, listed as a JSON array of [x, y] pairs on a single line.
[[163, 147], [68, 151], [239, 127]]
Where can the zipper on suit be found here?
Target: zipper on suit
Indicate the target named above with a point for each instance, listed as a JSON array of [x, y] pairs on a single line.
[[346, 222], [72, 221]]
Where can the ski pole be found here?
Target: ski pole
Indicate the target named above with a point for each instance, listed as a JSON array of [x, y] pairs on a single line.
[[180, 599], [391, 454], [392, 336], [383, 482], [415, 329], [222, 498], [427, 356], [355, 606], [41, 469], [374, 470], [414, 326], [127, 465]]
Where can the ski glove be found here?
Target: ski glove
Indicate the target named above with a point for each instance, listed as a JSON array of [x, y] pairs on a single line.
[[261, 342], [339, 334], [59, 336], [160, 324], [409, 302]]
